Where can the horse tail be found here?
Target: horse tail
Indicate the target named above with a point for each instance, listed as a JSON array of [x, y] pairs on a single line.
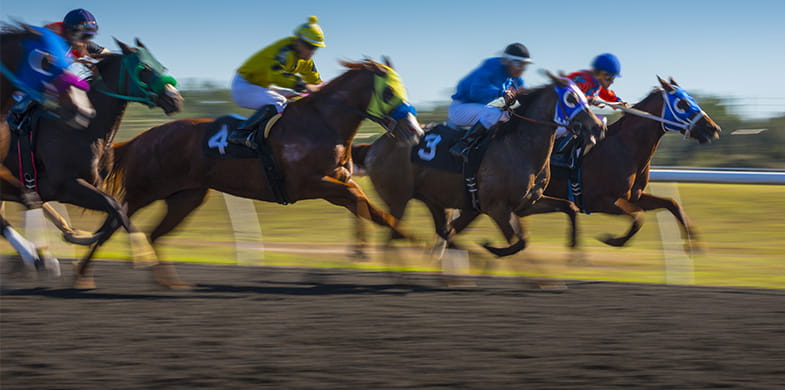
[[359, 152], [114, 184], [508, 251]]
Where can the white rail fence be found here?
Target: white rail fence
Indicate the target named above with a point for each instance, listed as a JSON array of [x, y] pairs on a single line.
[[718, 175]]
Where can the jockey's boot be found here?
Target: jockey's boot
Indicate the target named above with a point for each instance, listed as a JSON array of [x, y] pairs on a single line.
[[18, 113], [461, 148], [563, 151], [246, 134]]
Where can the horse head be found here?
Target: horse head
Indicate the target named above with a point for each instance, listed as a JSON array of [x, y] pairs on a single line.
[[135, 75], [40, 60], [388, 104], [570, 108], [684, 115]]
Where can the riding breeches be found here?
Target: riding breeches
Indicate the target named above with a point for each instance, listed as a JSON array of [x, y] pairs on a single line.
[[252, 96], [467, 114]]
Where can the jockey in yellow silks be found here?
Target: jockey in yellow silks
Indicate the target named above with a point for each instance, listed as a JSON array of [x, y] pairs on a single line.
[[280, 71]]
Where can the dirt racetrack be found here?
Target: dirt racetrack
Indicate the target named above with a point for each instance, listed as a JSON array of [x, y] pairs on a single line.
[[287, 328]]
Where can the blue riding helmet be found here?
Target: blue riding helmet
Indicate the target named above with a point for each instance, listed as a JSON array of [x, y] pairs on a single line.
[[607, 63], [81, 21]]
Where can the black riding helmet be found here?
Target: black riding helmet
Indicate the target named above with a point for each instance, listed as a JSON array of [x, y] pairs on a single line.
[[517, 52]]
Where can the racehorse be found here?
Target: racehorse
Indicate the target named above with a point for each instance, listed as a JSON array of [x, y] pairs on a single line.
[[513, 173], [310, 144], [68, 161], [615, 172], [34, 61]]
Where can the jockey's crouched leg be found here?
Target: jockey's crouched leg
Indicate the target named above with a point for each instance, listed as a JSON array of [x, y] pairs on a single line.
[[246, 133], [461, 148]]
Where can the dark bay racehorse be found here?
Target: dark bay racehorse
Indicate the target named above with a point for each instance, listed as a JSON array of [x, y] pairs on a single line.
[[512, 176], [29, 57], [615, 172], [68, 161], [311, 145]]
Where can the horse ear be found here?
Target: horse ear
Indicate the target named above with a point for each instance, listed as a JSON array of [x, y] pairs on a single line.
[[30, 29], [123, 46], [673, 82], [140, 44], [665, 85], [556, 80], [386, 60]]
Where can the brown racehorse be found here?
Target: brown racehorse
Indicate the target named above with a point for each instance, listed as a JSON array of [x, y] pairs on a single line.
[[70, 103], [68, 161], [311, 145], [512, 175], [615, 172]]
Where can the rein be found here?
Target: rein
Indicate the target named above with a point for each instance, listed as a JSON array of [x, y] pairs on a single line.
[[686, 125], [539, 122]]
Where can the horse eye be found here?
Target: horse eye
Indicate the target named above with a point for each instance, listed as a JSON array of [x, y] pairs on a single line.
[[570, 100], [146, 74], [682, 105], [387, 94]]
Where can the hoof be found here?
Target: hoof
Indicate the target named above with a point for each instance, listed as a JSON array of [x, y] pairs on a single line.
[[613, 241], [84, 282], [165, 275]]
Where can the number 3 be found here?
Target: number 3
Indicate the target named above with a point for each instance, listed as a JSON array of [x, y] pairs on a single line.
[[428, 152]]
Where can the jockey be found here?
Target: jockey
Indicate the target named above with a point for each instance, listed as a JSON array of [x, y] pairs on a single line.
[[496, 77], [78, 28], [594, 83], [282, 70]]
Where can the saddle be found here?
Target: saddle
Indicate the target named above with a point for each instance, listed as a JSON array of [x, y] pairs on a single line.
[[217, 146], [434, 151]]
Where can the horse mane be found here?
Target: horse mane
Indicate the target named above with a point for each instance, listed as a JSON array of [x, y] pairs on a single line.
[[15, 28], [96, 68], [337, 83], [615, 126]]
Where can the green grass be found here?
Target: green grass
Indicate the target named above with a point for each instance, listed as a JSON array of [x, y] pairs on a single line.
[[741, 226]]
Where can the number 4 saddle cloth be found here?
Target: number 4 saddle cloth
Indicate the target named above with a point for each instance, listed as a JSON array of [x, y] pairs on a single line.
[[215, 142]]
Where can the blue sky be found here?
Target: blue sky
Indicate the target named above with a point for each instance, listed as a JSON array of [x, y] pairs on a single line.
[[725, 48]]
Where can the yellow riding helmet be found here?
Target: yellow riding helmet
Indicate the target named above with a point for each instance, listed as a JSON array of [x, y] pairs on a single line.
[[311, 32]]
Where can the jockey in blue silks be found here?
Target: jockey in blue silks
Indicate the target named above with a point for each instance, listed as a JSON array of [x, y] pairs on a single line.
[[496, 77]]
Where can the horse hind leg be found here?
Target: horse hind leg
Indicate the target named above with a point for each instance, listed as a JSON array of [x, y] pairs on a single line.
[[625, 207], [178, 207]]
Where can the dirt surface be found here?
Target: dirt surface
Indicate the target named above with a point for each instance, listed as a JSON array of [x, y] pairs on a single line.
[[284, 328]]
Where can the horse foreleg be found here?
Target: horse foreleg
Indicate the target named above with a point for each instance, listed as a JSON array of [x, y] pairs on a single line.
[[651, 202], [623, 206], [25, 248], [510, 227], [350, 195], [83, 194], [465, 218], [547, 204]]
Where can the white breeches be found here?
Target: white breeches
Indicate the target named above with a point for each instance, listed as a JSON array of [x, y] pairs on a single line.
[[467, 114], [252, 96]]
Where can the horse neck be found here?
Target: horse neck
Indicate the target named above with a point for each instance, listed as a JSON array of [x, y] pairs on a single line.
[[340, 108], [640, 136], [109, 110], [534, 140]]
